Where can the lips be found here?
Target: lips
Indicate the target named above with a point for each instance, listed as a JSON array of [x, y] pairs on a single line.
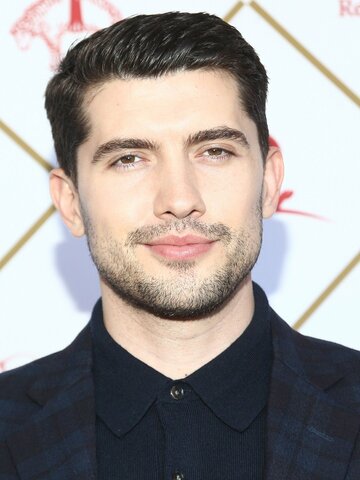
[[180, 241], [180, 248]]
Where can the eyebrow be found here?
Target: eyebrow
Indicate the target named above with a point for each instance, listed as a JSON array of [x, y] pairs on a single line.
[[123, 144], [218, 133]]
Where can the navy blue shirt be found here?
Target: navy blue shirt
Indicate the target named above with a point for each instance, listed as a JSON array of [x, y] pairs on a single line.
[[209, 425]]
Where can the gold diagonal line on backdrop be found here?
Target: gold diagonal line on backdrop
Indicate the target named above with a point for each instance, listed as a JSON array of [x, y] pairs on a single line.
[[325, 294], [309, 56], [233, 11], [21, 242], [22, 144], [352, 96]]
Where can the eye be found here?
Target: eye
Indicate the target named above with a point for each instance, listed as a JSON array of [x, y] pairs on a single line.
[[217, 153], [130, 160]]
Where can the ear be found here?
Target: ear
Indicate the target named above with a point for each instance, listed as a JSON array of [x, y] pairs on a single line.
[[273, 177], [66, 199]]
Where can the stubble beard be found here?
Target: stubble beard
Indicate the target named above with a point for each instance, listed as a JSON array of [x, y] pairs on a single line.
[[181, 296]]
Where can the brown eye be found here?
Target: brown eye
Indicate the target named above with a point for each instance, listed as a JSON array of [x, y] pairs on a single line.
[[215, 152], [127, 159]]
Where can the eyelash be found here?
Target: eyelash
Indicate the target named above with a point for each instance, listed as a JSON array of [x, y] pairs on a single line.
[[216, 158]]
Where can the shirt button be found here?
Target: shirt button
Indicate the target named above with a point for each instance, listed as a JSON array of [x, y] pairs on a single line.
[[178, 476], [177, 392]]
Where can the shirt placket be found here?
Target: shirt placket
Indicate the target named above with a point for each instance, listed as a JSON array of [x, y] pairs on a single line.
[[173, 407]]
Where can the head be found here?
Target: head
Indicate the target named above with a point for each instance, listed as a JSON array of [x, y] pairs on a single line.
[[148, 118]]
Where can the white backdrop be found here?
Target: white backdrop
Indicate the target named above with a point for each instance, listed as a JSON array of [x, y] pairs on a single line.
[[309, 265]]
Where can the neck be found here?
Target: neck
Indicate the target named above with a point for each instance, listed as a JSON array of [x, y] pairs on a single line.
[[172, 347]]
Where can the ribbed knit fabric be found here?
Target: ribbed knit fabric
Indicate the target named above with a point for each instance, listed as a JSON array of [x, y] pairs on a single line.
[[209, 426]]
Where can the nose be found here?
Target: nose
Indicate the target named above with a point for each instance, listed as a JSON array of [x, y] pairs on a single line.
[[178, 194]]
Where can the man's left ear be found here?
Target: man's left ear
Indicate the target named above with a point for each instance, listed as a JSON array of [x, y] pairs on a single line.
[[273, 177]]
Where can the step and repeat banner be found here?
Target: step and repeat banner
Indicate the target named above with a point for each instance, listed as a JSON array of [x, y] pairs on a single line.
[[310, 261]]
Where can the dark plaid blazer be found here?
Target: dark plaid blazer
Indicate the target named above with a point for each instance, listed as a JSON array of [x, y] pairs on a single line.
[[47, 417]]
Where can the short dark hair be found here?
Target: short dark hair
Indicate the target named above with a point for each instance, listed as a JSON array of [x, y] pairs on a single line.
[[150, 46]]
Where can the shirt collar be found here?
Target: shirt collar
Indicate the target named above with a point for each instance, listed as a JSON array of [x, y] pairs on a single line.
[[234, 385], [125, 387]]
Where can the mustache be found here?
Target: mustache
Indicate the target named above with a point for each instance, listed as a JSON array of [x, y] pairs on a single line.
[[145, 234]]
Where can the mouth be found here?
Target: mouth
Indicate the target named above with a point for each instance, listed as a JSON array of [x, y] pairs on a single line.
[[180, 248]]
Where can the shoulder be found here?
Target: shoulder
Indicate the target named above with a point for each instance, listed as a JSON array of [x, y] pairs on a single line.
[[24, 389], [324, 364], [51, 364], [16, 406], [16, 380], [311, 349]]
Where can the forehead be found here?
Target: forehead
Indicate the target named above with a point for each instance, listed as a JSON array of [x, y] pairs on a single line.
[[173, 104]]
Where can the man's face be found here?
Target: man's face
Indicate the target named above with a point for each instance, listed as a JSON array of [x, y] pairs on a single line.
[[172, 156]]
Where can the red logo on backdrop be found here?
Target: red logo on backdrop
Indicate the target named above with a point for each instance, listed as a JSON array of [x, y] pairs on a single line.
[[286, 194], [58, 23], [349, 8]]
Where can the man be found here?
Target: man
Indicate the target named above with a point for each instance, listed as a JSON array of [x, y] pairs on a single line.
[[184, 371]]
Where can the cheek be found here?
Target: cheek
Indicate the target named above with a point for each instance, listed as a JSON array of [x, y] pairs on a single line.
[[115, 210], [234, 199]]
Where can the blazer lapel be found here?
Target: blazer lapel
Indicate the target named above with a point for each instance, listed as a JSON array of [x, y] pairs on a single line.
[[59, 441], [310, 435]]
